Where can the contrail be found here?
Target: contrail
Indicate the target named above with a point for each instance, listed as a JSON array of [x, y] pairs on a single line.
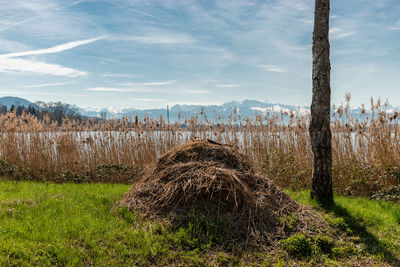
[[52, 50], [41, 15], [132, 9]]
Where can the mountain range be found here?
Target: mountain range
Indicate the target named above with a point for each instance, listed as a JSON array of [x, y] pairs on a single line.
[[246, 109]]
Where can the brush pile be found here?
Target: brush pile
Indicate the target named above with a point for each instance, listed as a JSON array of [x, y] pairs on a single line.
[[211, 179]]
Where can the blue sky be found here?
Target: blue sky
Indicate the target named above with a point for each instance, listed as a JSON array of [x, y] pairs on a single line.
[[145, 54]]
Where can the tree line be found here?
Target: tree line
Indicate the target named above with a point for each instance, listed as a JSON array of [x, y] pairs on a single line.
[[55, 111]]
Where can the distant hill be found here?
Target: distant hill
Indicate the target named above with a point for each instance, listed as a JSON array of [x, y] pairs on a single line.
[[246, 109], [16, 101]]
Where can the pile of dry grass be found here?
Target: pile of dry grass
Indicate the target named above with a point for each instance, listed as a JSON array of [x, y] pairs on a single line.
[[213, 179]]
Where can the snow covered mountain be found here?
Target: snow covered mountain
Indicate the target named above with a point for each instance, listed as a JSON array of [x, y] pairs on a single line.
[[246, 108]]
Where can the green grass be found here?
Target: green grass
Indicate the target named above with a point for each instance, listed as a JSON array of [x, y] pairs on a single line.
[[374, 224], [49, 224]]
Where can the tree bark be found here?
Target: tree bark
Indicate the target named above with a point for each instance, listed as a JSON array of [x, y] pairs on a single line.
[[320, 108]]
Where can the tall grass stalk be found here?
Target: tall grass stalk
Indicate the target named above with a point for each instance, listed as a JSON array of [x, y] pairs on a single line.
[[366, 150]]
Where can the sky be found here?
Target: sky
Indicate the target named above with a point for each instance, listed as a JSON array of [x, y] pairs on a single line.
[[149, 54]]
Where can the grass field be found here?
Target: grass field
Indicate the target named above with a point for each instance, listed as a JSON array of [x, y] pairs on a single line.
[[71, 224]]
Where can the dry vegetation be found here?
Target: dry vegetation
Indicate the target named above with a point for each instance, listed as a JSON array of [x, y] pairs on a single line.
[[217, 181], [365, 151]]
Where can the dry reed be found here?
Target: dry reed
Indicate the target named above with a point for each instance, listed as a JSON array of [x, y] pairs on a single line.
[[366, 150]]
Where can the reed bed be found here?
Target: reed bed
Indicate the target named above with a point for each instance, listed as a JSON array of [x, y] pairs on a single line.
[[366, 150]]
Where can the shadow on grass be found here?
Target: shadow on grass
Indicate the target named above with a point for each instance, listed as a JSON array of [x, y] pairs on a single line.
[[373, 245]]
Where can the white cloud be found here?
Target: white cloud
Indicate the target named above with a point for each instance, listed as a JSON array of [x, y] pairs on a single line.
[[148, 100], [338, 33], [344, 35], [292, 6], [11, 46], [52, 50], [396, 26], [41, 8], [114, 89], [132, 9], [194, 91], [116, 75], [334, 30], [162, 38], [36, 94], [44, 85], [9, 62], [133, 87], [107, 89], [149, 83], [273, 68], [22, 65], [228, 85]]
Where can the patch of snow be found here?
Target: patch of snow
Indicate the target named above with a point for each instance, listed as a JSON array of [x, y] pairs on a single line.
[[303, 111], [278, 108], [259, 109]]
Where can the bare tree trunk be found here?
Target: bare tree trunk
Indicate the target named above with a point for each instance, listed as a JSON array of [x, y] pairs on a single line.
[[320, 108]]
